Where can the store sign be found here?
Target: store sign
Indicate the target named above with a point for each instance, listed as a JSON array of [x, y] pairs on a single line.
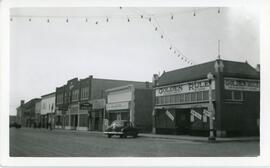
[[194, 86], [196, 114], [241, 84], [74, 109], [207, 113], [117, 106], [169, 115]]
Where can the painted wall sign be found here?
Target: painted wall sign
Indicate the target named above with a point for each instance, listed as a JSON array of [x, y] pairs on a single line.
[[169, 115], [117, 106], [194, 86], [241, 84], [196, 114]]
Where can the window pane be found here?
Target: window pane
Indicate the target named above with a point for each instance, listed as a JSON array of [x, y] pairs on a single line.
[[173, 99], [193, 96], [187, 97], [177, 99], [162, 100], [182, 97], [206, 95], [237, 95], [167, 99], [228, 95], [200, 96]]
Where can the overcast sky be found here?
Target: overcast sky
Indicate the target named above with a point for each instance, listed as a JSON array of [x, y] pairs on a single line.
[[45, 55]]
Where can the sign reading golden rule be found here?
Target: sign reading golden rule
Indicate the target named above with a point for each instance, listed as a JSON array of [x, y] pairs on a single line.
[[241, 84], [193, 86]]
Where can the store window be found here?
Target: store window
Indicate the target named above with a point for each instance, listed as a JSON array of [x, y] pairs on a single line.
[[75, 95], [187, 97], [167, 99], [173, 97], [199, 96], [233, 95], [193, 97], [182, 98], [206, 95]]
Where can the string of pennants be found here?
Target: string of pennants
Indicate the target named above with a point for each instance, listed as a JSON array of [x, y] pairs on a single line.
[[139, 14]]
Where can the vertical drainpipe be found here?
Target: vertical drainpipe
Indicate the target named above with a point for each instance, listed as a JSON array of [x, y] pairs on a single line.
[[219, 91], [89, 99], [132, 104], [154, 81]]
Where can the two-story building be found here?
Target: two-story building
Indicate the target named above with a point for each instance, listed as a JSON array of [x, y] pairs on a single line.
[[26, 115], [47, 109], [37, 114], [73, 98], [183, 104]]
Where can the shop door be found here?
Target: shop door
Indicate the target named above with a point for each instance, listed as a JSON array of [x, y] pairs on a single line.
[[74, 121], [182, 121], [96, 123]]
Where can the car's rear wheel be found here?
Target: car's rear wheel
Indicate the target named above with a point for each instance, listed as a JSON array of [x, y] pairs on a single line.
[[121, 136], [109, 135]]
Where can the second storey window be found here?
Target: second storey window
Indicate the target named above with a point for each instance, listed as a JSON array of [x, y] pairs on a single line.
[[75, 95], [84, 93]]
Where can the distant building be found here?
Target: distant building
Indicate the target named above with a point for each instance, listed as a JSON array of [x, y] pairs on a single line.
[[37, 114], [47, 109], [132, 103], [12, 119], [73, 98], [26, 113], [182, 99]]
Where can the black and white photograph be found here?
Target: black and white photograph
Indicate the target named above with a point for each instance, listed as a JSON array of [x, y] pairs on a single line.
[[128, 82]]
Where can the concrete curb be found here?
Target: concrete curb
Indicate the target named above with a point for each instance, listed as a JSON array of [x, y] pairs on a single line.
[[174, 137]]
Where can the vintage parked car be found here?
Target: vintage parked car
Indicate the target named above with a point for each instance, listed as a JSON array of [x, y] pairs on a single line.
[[123, 128], [14, 124]]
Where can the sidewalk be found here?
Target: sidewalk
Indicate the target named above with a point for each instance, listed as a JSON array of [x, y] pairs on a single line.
[[199, 139], [176, 137]]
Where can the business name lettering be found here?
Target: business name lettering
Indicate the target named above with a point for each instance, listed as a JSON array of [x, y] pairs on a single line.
[[241, 84], [193, 86]]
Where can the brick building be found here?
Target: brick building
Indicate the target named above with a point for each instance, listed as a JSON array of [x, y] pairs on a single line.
[[89, 91], [182, 99], [26, 113]]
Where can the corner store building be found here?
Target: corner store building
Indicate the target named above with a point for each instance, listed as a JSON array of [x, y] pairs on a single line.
[[182, 99]]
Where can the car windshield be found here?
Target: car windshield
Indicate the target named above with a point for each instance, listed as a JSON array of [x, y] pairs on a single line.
[[120, 123]]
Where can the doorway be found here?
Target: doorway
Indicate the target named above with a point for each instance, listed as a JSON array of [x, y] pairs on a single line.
[[182, 121], [74, 121]]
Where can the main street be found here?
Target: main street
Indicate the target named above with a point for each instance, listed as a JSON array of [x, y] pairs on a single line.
[[44, 143]]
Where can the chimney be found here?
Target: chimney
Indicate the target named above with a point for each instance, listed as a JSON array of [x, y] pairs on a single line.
[[155, 79], [22, 102], [258, 67]]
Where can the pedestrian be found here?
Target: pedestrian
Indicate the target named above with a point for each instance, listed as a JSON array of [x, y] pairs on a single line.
[[50, 123]]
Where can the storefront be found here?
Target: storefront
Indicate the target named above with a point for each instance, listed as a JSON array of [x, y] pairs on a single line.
[[186, 98], [130, 103], [78, 119], [97, 114], [180, 108]]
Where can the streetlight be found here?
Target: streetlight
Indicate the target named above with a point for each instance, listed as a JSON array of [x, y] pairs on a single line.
[[211, 137]]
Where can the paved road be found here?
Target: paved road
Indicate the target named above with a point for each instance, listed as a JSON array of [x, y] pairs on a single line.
[[44, 143]]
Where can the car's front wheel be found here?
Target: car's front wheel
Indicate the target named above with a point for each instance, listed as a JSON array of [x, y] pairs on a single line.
[[109, 135]]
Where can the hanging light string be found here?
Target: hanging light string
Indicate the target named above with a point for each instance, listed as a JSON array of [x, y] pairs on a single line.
[[163, 35], [139, 14]]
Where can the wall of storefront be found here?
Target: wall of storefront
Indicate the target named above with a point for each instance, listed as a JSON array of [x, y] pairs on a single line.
[[143, 109], [241, 110]]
